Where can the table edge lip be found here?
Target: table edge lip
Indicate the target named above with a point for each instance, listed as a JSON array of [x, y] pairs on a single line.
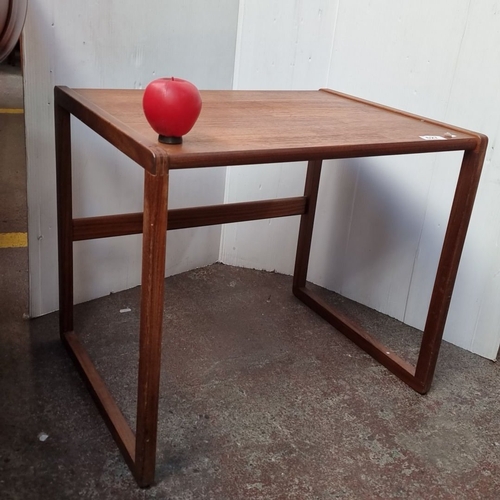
[[478, 135]]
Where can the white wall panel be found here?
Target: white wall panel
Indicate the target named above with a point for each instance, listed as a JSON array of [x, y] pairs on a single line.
[[281, 45], [439, 62], [115, 45], [381, 222], [284, 45], [474, 102]]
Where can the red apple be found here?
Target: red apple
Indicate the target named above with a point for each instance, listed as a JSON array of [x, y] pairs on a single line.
[[171, 106]]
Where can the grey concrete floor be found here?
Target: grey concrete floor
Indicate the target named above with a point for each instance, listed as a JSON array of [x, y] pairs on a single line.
[[261, 399], [11, 95]]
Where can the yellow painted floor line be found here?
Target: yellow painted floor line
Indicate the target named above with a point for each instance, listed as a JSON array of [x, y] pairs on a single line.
[[11, 111], [13, 240]]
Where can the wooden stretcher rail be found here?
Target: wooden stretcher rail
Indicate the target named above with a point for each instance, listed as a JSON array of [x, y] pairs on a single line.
[[113, 417], [354, 332], [119, 225]]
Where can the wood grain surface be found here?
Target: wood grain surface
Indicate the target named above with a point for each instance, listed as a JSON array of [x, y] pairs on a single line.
[[248, 127]]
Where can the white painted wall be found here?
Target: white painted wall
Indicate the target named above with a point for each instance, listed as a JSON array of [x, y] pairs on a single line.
[[115, 44], [381, 221]]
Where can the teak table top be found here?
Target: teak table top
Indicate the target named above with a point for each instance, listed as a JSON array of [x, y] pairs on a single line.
[[247, 127]]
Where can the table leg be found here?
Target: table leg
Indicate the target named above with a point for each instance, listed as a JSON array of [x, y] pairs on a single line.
[[306, 225], [152, 288], [418, 377], [64, 218], [454, 240], [112, 415]]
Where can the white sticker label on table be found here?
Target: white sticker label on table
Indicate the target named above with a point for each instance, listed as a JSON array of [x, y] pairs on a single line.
[[433, 137]]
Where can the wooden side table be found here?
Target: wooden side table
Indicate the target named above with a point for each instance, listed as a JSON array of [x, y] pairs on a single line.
[[235, 128]]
